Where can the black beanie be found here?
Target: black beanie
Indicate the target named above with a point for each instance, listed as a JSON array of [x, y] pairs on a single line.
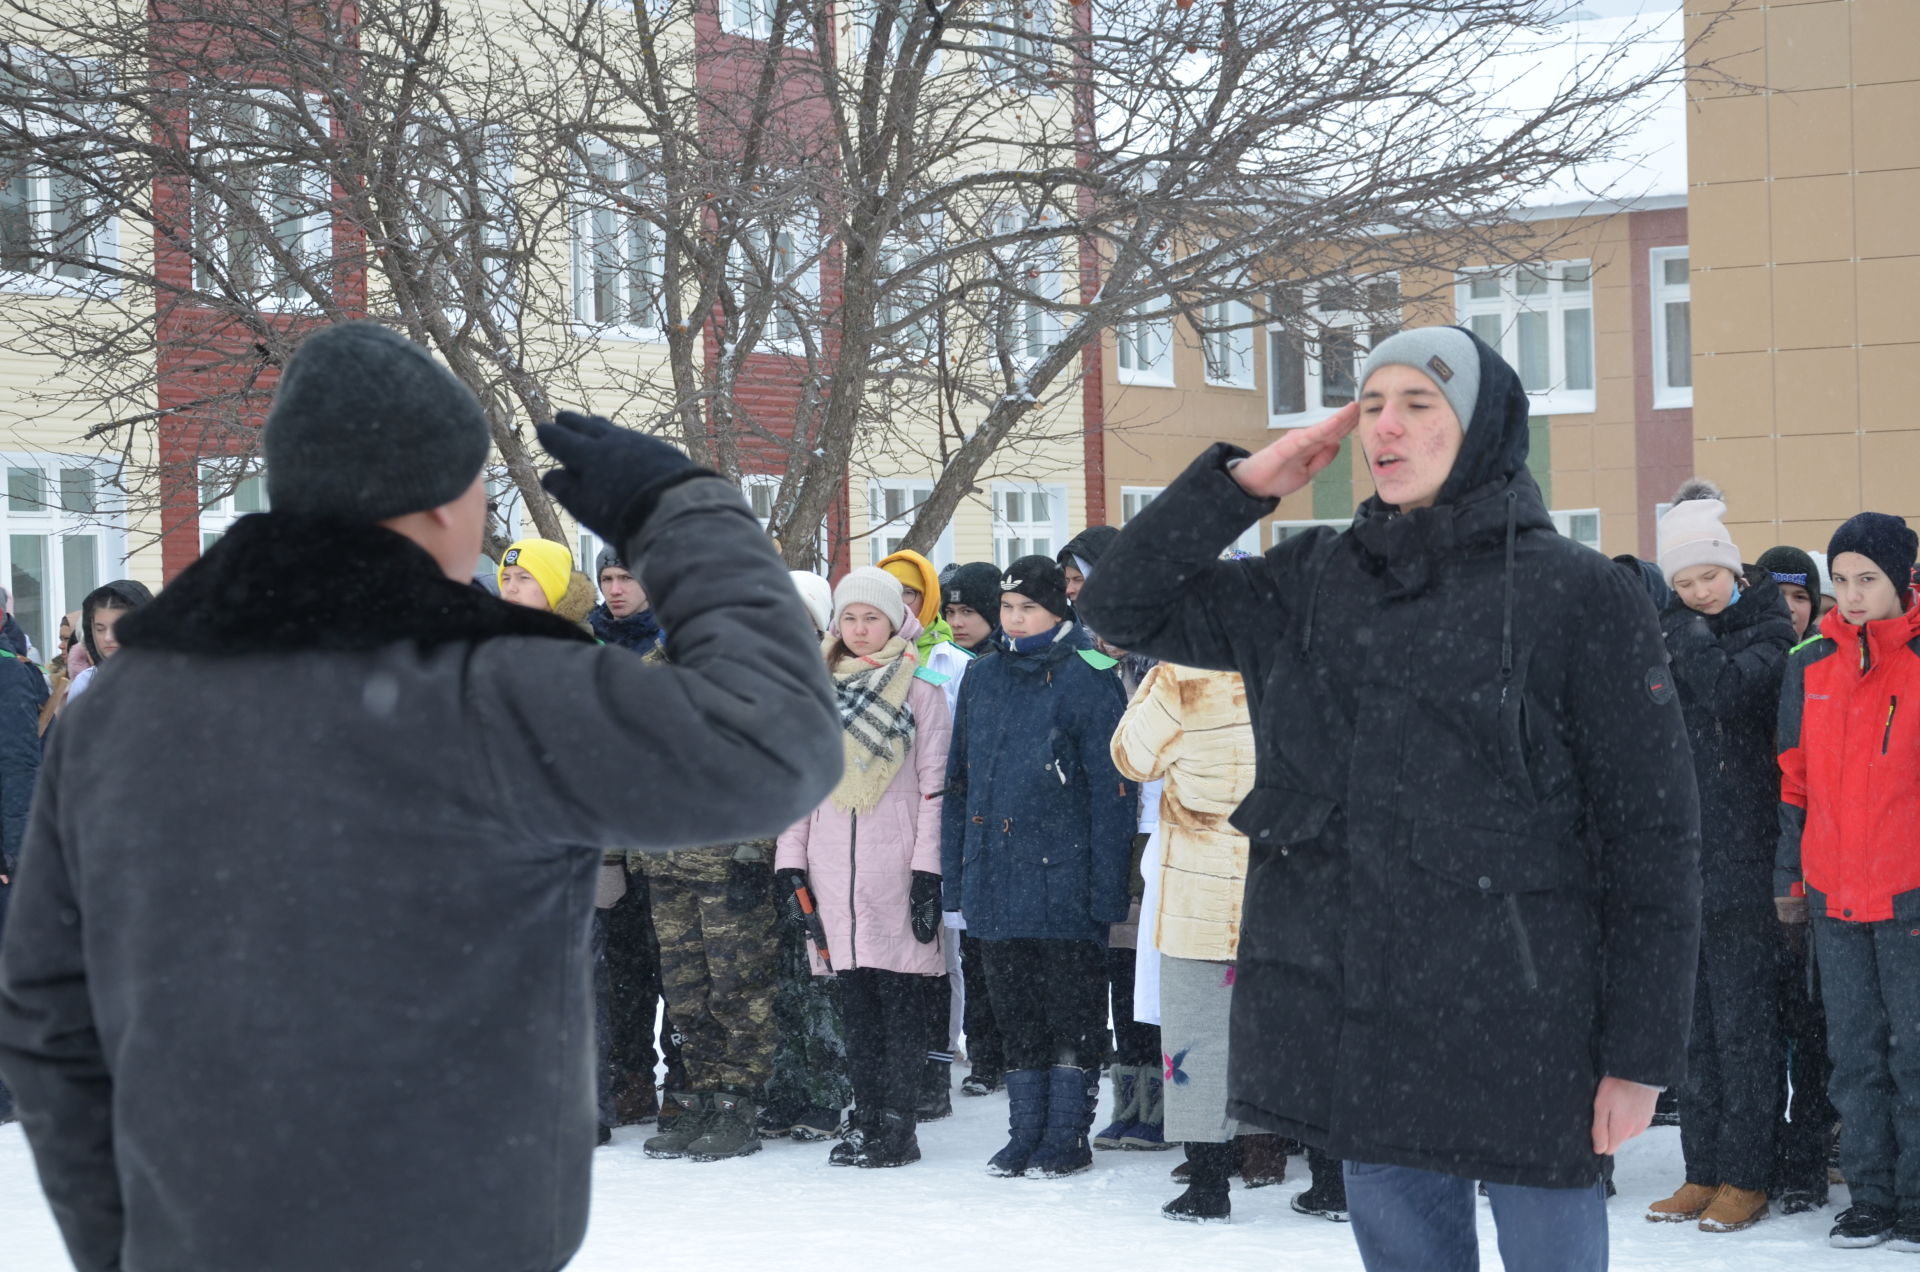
[[608, 557], [975, 585], [367, 426], [1881, 538], [1039, 579], [1789, 564]]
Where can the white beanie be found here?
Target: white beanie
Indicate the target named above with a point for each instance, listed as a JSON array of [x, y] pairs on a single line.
[[1694, 532], [871, 585], [816, 596]]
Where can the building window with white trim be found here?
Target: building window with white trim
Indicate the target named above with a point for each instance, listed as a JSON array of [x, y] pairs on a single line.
[[1143, 351], [892, 505], [754, 19], [1134, 500], [463, 201], [227, 494], [261, 230], [1672, 328], [911, 290], [616, 250], [1027, 328], [1540, 318], [65, 536], [777, 279], [1017, 52], [1227, 343], [760, 489], [1312, 373], [1582, 525], [1285, 530], [1028, 520]]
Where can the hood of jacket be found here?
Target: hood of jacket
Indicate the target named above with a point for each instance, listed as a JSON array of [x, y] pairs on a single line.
[[1089, 545], [127, 594], [1759, 602], [929, 586], [280, 581]]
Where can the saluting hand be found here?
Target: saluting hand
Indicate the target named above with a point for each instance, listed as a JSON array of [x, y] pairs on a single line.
[[1278, 470]]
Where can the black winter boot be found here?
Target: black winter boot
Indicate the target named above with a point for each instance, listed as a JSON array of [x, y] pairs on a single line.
[[728, 1130], [1327, 1197], [1026, 1119], [1205, 1200], [891, 1142], [1073, 1095], [683, 1119], [936, 1091], [861, 1122]]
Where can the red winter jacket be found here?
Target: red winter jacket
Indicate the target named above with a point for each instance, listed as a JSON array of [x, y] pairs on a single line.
[[1850, 770]]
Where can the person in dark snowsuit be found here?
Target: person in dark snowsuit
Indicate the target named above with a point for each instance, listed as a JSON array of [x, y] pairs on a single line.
[[1037, 826], [1471, 911], [1728, 632], [23, 692]]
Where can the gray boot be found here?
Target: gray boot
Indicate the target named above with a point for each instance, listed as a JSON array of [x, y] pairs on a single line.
[[683, 1119], [728, 1130], [1129, 1086]]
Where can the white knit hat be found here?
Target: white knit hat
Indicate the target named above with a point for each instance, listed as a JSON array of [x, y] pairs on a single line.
[[871, 585], [1694, 532], [816, 596]]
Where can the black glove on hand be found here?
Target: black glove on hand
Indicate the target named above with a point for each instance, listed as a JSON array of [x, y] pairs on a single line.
[[924, 903], [610, 477], [786, 883], [749, 884]]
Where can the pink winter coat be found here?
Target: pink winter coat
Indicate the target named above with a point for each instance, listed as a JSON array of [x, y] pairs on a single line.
[[862, 874]]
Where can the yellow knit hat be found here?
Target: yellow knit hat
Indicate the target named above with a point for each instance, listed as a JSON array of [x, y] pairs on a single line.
[[550, 564]]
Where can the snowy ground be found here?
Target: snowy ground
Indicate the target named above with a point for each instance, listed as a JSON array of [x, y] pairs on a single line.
[[783, 1205]]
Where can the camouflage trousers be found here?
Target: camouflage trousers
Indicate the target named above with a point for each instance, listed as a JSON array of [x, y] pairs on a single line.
[[718, 953], [810, 1064]]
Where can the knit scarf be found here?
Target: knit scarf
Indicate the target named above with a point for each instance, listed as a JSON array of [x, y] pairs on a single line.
[[878, 723]]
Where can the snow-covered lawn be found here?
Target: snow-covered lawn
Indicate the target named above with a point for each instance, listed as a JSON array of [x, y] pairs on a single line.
[[785, 1207]]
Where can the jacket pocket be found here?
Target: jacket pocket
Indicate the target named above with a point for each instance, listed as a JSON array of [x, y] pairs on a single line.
[[1273, 816]]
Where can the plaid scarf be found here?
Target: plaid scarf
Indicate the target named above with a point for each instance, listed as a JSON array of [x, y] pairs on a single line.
[[878, 723]]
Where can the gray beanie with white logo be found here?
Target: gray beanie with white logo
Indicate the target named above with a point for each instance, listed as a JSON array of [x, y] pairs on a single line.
[[1445, 355]]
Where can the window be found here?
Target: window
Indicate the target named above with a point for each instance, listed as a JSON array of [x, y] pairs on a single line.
[[1309, 375], [1017, 52], [760, 489], [1540, 318], [1284, 530], [1672, 328], [1027, 328], [260, 224], [505, 508], [616, 251], [910, 292], [754, 20], [227, 494], [463, 197], [1028, 520], [890, 510], [1134, 499], [777, 274], [1143, 351], [64, 538], [899, 15], [1229, 353], [51, 226], [1581, 525]]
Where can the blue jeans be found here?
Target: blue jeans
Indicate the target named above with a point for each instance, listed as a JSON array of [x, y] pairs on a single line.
[[1407, 1220]]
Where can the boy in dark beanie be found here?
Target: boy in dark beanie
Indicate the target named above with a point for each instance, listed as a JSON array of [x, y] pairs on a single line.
[[1799, 580], [1036, 831], [304, 984], [1849, 798]]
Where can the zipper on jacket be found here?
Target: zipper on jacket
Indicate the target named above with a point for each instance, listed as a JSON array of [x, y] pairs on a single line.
[[1886, 736], [1521, 942], [853, 893]]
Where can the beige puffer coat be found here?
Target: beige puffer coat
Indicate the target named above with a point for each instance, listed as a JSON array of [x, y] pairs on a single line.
[[1193, 729]]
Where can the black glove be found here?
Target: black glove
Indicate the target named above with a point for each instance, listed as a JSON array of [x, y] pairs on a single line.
[[610, 477], [924, 903], [749, 884], [786, 883]]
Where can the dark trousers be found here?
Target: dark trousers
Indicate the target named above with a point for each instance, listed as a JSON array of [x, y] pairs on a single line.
[[984, 1050], [1870, 984], [1133, 1042], [1729, 1101], [6, 1096], [1051, 1001], [1408, 1220], [936, 1013], [1802, 1134], [886, 1019], [633, 966], [602, 1024]]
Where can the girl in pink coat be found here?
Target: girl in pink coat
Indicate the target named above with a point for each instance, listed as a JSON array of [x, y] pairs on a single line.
[[870, 855]]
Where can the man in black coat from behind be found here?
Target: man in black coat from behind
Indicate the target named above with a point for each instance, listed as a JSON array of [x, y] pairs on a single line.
[[1472, 906]]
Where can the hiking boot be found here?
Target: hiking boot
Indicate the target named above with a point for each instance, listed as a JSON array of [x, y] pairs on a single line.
[[683, 1118], [853, 1141], [891, 1142], [1073, 1096], [1733, 1209], [1684, 1206], [936, 1091], [1026, 1119], [1205, 1200], [982, 1081], [1149, 1116], [1127, 1090], [1263, 1159], [1861, 1225], [1327, 1197], [728, 1130]]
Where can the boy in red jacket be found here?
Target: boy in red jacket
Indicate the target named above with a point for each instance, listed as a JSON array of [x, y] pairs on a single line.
[[1849, 800]]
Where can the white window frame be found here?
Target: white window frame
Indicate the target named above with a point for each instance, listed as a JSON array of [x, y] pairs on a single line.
[[1228, 355], [791, 254], [1330, 318], [1007, 532], [905, 283], [102, 243], [1029, 327], [57, 524], [753, 20], [883, 535], [1143, 351], [760, 490], [1134, 499], [498, 217], [1563, 521], [1281, 531], [236, 494], [609, 239], [310, 236], [1667, 395], [1497, 320], [1022, 62], [860, 25]]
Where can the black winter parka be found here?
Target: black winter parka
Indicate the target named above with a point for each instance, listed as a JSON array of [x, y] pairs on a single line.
[[1473, 887], [1728, 668]]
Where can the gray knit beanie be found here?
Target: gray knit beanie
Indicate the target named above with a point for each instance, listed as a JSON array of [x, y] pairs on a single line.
[[367, 426], [871, 585], [1445, 355]]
